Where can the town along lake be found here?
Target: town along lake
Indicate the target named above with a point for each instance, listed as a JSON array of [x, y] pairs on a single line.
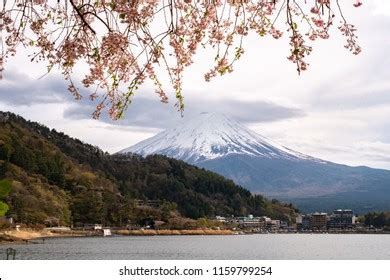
[[256, 246]]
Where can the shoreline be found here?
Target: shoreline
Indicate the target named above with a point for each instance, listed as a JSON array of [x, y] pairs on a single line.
[[29, 235], [152, 232]]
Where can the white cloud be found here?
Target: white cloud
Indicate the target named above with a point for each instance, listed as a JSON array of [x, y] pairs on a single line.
[[380, 7]]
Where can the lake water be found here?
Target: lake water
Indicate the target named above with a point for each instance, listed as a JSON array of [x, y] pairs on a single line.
[[261, 246]]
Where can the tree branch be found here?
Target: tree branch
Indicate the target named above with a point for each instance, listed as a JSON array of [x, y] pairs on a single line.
[[82, 17]]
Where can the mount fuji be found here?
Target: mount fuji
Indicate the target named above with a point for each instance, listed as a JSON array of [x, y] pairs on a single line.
[[220, 144]]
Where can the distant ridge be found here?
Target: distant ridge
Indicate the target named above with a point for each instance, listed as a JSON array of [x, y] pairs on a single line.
[[58, 179], [223, 145]]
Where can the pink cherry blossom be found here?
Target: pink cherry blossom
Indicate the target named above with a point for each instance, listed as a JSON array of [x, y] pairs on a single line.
[[128, 43]]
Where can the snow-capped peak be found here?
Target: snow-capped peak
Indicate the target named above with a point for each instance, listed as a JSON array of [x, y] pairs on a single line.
[[209, 136]]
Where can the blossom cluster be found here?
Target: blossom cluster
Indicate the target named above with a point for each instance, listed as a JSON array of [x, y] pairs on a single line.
[[126, 43]]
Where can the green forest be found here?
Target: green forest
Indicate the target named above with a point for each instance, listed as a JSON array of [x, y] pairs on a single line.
[[5, 188], [378, 219], [50, 178]]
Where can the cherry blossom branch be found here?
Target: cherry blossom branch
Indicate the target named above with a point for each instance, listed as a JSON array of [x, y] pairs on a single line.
[[81, 16], [132, 47]]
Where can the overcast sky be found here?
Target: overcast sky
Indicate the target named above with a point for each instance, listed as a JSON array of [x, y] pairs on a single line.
[[338, 110]]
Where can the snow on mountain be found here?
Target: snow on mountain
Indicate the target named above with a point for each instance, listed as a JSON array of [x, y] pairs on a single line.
[[222, 145], [210, 136]]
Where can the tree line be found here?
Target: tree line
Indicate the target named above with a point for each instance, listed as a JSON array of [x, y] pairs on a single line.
[[61, 179]]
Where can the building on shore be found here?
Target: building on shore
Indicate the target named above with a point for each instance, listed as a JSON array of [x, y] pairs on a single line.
[[250, 221], [303, 222], [314, 221], [107, 232], [273, 225], [220, 219], [93, 227], [339, 219], [254, 223], [319, 221], [342, 219], [8, 220]]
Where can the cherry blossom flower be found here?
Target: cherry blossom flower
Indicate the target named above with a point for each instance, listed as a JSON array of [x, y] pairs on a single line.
[[127, 43]]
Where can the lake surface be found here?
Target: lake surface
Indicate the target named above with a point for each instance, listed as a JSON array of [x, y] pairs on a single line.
[[261, 246]]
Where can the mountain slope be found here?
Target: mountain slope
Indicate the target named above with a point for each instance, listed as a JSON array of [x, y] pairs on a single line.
[[309, 185], [58, 178], [220, 144], [211, 136]]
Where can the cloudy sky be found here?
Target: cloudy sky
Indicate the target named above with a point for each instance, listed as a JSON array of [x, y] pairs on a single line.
[[338, 110]]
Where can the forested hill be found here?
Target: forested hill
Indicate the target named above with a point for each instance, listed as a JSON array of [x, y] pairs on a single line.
[[55, 177]]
